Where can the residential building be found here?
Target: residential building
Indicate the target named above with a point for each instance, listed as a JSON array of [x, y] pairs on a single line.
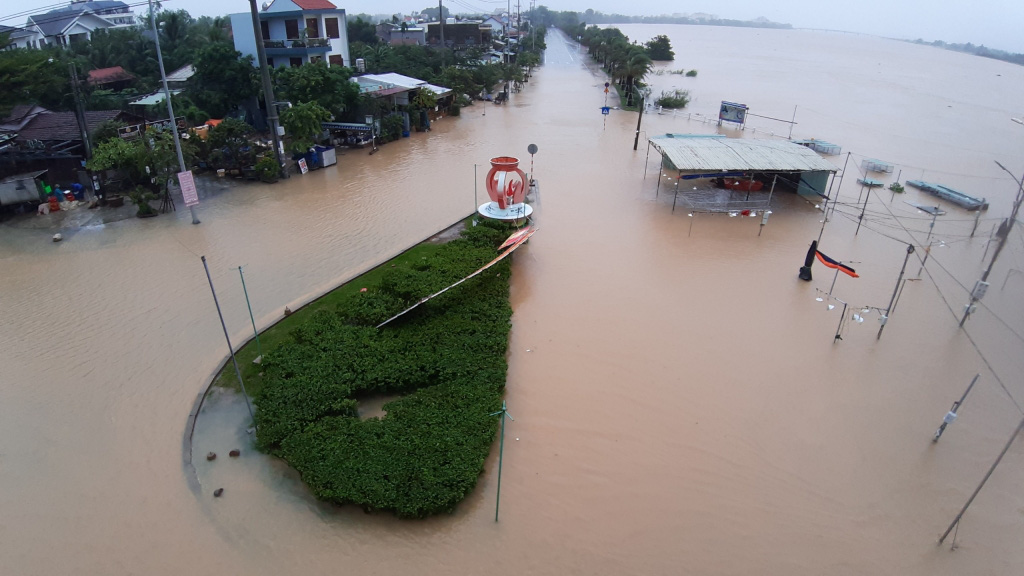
[[395, 35], [74, 23], [459, 34], [497, 26], [295, 32]]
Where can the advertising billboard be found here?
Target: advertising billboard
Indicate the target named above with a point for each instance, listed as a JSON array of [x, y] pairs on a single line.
[[732, 112]]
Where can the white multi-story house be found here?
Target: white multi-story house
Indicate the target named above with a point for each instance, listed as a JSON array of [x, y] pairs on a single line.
[[295, 32], [73, 23]]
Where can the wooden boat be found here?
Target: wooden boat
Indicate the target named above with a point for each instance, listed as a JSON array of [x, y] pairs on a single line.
[[869, 182]]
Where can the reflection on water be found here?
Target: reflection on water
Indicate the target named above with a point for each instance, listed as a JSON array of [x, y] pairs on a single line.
[[678, 397]]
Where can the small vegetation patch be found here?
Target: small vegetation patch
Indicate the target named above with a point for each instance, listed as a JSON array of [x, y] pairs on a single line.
[[674, 99], [446, 360]]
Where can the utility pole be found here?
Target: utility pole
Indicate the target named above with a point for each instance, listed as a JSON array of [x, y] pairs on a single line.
[[170, 108], [268, 89], [956, 520], [885, 318], [950, 416], [839, 187], [1002, 233], [636, 139], [862, 211], [83, 127], [440, 22]]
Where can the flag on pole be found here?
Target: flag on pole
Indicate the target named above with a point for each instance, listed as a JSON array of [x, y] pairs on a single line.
[[836, 265]]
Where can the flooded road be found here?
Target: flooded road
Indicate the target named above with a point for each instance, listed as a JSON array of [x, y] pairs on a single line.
[[678, 398]]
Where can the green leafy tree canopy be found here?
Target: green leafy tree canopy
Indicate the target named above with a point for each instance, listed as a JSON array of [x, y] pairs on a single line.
[[659, 48]]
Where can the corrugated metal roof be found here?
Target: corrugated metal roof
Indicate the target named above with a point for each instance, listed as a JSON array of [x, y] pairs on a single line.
[[700, 153]]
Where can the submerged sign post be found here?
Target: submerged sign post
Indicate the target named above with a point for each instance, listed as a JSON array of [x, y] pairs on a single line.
[[732, 112], [188, 188]]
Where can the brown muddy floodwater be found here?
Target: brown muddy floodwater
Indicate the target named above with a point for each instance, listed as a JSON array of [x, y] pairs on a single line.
[[679, 403]]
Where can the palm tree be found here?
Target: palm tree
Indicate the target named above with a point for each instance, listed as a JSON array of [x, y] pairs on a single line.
[[637, 67]]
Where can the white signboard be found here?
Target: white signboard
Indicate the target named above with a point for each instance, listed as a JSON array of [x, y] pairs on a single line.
[[302, 165], [188, 188]]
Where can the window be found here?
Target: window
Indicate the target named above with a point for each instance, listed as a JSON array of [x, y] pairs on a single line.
[[291, 29], [270, 62], [331, 24], [265, 28], [315, 59], [336, 60], [295, 62], [312, 28]]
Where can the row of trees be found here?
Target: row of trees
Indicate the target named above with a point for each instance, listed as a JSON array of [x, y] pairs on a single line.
[[627, 63]]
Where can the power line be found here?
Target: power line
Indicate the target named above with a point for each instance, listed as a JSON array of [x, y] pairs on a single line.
[[974, 344]]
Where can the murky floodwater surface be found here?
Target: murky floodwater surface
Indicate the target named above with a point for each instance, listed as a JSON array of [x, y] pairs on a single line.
[[679, 402]]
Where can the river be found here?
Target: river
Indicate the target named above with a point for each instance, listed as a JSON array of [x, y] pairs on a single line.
[[680, 404]]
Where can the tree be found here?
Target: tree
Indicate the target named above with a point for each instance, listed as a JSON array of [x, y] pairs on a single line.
[[360, 30], [228, 141], [330, 87], [149, 162], [432, 12], [302, 123], [223, 78], [659, 48], [34, 77]]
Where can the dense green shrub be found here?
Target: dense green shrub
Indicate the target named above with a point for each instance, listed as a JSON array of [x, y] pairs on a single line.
[[447, 357]]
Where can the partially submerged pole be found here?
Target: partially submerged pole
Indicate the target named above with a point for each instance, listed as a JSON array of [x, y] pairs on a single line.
[[983, 480], [501, 452], [950, 416], [228, 339], [885, 318], [255, 333]]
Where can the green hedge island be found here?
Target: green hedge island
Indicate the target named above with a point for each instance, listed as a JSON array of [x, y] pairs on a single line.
[[446, 359]]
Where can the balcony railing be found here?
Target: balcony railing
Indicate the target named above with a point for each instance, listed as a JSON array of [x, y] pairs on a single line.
[[317, 42], [273, 43]]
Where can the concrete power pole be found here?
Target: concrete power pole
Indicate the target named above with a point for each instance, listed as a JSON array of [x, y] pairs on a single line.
[[170, 107], [83, 128], [268, 89]]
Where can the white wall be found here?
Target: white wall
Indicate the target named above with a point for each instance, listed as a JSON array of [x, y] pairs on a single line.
[[245, 40]]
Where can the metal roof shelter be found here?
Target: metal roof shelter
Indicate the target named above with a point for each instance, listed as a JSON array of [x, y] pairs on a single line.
[[726, 161], [709, 153]]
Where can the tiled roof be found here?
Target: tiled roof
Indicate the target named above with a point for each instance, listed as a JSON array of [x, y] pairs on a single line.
[[63, 126], [108, 75], [314, 4]]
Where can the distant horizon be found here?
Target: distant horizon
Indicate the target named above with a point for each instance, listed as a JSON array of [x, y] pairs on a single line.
[[995, 26]]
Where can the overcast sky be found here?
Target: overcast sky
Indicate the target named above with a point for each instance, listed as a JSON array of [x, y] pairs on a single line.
[[994, 23]]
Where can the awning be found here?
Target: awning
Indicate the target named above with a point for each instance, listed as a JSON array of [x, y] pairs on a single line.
[[345, 126]]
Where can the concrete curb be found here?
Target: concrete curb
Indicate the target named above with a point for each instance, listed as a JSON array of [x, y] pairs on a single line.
[[192, 477]]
